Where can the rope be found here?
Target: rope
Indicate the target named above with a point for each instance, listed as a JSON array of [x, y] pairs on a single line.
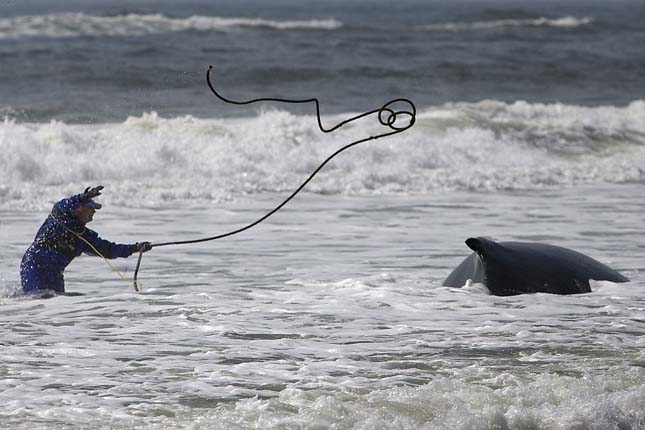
[[97, 252], [387, 116]]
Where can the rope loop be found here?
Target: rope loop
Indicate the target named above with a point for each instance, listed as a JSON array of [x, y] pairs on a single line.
[[408, 113], [400, 110]]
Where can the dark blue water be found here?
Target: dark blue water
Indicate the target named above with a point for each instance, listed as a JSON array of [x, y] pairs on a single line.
[[100, 61]]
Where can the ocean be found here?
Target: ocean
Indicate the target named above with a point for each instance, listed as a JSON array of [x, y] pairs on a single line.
[[330, 314]]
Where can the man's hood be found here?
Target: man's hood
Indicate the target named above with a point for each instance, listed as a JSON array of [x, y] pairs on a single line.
[[64, 211]]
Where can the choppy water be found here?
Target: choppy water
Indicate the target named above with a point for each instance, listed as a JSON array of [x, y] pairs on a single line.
[[104, 60], [151, 161], [331, 314]]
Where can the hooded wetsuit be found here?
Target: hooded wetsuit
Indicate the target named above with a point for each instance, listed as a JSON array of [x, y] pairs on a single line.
[[56, 245]]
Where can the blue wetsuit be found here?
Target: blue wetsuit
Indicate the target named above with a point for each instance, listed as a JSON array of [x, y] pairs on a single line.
[[55, 246]]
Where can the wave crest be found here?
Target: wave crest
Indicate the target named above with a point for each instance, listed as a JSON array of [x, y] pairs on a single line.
[[564, 22], [79, 24], [483, 146]]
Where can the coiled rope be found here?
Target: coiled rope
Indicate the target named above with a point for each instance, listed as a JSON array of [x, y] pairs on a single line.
[[388, 115]]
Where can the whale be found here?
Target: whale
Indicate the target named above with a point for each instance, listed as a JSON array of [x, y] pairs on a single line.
[[512, 268]]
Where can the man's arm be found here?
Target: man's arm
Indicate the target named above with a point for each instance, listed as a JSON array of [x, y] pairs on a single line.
[[109, 249]]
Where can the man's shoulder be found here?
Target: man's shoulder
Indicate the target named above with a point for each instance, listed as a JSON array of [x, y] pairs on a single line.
[[90, 233]]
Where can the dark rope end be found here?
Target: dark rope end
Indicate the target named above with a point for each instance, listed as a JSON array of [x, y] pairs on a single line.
[[136, 273]]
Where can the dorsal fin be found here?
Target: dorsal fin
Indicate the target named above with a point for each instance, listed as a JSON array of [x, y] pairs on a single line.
[[481, 245]]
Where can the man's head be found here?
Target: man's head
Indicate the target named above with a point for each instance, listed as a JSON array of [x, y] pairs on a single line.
[[85, 211]]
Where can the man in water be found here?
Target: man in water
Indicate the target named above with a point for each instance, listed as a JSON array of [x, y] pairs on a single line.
[[63, 237]]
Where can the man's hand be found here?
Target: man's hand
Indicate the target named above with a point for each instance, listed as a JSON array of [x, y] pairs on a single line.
[[142, 246], [90, 193]]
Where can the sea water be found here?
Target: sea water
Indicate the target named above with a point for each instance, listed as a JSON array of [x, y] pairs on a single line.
[[331, 313]]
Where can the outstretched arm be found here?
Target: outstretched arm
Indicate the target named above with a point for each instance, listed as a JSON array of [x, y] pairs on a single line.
[[109, 249]]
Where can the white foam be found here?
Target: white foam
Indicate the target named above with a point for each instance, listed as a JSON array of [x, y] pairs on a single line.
[[221, 339], [563, 22], [471, 146], [545, 401], [80, 24]]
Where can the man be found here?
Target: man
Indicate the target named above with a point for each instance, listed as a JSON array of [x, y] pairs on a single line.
[[63, 237]]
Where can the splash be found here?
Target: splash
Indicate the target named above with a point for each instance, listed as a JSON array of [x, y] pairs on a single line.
[[150, 161]]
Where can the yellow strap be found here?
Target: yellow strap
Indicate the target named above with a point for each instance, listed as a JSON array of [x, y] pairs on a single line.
[[96, 251]]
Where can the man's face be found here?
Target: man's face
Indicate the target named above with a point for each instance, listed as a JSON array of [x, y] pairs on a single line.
[[85, 213]]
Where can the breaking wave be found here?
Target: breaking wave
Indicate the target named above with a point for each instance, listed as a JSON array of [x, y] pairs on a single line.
[[485, 146], [564, 22], [80, 24]]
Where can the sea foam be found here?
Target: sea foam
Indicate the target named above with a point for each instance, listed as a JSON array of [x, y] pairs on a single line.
[[469, 146], [80, 24], [563, 22]]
